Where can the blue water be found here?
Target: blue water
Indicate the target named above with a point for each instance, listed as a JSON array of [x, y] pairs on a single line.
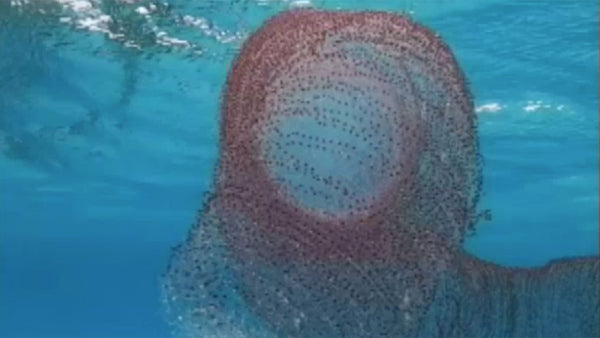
[[106, 150]]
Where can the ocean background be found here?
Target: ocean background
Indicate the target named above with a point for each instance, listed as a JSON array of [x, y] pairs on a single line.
[[109, 120]]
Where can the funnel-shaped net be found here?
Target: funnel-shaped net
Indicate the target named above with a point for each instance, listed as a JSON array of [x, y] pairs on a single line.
[[348, 167], [348, 178], [347, 126]]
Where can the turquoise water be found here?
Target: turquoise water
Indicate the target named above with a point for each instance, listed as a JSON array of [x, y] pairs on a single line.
[[109, 131]]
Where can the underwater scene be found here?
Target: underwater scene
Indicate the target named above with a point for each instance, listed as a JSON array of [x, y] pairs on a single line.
[[299, 168]]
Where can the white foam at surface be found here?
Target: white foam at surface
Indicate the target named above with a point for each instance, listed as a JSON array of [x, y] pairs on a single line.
[[81, 5], [142, 10], [18, 3], [95, 24], [490, 107], [206, 29], [531, 107], [76, 5], [87, 15], [540, 105], [169, 41], [300, 3], [196, 22]]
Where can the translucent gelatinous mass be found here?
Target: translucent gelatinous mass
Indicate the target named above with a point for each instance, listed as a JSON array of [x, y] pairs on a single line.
[[348, 177]]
